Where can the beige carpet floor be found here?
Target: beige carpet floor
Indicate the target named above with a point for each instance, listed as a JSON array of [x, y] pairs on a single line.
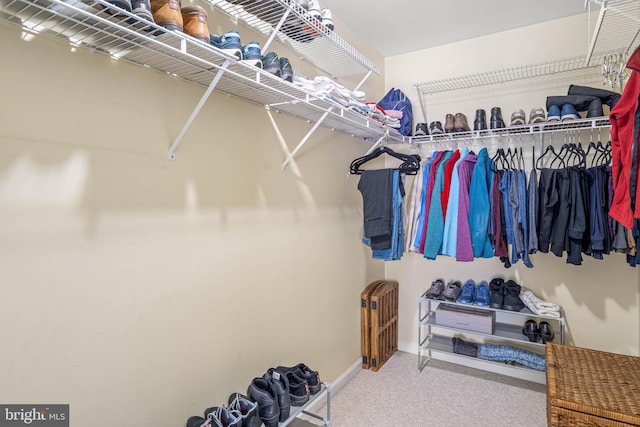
[[443, 394]]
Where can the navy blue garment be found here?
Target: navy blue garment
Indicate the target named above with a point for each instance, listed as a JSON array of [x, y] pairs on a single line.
[[596, 220], [561, 219], [577, 224], [523, 217], [532, 209], [548, 206]]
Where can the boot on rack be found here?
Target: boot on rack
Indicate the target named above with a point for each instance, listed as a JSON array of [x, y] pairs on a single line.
[[460, 123], [480, 122], [194, 18], [606, 96], [580, 102], [167, 14], [496, 118]]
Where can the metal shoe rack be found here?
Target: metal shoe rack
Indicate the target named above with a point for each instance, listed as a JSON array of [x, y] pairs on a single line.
[[103, 28], [434, 340]]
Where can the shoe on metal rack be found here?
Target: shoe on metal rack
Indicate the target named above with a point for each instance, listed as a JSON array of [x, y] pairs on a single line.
[[553, 113], [530, 330], [496, 121], [482, 295], [536, 115], [314, 10], [327, 19], [303, 371], [298, 389], [166, 13], [518, 118], [436, 128], [497, 293], [449, 121], [271, 64], [142, 9], [286, 72], [252, 54], [262, 392], [546, 332], [421, 130], [248, 410], [280, 384], [595, 109], [451, 291], [512, 301], [569, 112], [460, 123], [194, 18], [467, 292], [196, 421], [224, 416], [228, 42], [437, 286], [480, 122]]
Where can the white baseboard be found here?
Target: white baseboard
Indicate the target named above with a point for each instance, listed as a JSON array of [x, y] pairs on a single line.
[[336, 386]]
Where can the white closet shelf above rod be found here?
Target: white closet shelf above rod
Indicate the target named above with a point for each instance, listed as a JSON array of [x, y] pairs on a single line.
[[516, 131], [569, 67]]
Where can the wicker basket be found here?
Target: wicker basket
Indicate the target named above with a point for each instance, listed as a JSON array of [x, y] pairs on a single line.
[[591, 388]]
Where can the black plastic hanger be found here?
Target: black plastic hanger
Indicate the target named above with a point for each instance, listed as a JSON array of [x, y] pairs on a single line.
[[410, 162]]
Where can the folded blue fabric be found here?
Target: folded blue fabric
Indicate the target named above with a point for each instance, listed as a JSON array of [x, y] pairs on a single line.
[[509, 353]]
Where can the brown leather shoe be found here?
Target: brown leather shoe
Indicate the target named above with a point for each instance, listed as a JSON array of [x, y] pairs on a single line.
[[166, 13], [460, 123], [195, 22], [449, 123]]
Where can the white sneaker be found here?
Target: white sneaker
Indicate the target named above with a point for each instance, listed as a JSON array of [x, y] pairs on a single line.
[[327, 18], [314, 10]]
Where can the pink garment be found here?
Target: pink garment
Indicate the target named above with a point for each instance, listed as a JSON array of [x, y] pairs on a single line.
[[396, 114]]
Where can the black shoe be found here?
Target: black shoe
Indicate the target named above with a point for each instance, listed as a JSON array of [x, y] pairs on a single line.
[[546, 332], [262, 392], [595, 109], [248, 410], [223, 417], [286, 72], [606, 96], [512, 301], [280, 384], [298, 389], [421, 130], [480, 122], [271, 64], [530, 329], [436, 128], [196, 421], [496, 298], [303, 371], [496, 118]]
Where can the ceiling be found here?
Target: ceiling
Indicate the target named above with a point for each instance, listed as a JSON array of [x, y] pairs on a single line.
[[402, 26]]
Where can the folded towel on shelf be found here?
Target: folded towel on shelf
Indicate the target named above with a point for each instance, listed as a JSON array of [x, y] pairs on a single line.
[[538, 306]]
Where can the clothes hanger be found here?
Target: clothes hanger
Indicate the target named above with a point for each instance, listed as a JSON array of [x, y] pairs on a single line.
[[410, 162], [548, 150]]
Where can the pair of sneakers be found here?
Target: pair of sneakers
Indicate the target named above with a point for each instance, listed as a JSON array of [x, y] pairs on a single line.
[[474, 294], [439, 291], [280, 67], [567, 112], [536, 115]]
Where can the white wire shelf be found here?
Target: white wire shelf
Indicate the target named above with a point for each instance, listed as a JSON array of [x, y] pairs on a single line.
[[516, 131], [301, 32], [569, 67], [617, 27], [91, 24]]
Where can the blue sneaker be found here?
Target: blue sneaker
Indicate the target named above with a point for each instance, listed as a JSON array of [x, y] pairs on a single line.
[[553, 115], [482, 295], [466, 294], [271, 64], [252, 54], [229, 42], [569, 112]]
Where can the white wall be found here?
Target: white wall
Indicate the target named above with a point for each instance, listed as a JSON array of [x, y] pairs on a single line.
[[600, 298], [142, 290]]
